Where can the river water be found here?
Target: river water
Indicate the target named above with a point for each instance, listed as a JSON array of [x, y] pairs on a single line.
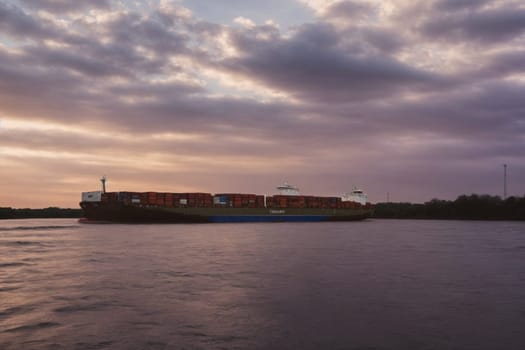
[[376, 284]]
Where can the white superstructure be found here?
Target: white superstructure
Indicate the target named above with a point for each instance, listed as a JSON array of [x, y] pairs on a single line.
[[93, 196], [288, 190], [356, 195]]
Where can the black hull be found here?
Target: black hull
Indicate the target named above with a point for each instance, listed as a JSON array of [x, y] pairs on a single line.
[[119, 212]]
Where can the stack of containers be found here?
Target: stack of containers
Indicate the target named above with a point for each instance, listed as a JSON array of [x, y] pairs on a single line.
[[160, 199], [144, 198], [208, 200], [191, 200], [152, 198], [259, 201], [182, 199], [220, 201], [108, 197], [124, 197], [135, 198], [176, 199], [335, 202], [224, 199], [277, 201], [282, 201], [314, 202], [202, 200], [238, 200], [168, 199]]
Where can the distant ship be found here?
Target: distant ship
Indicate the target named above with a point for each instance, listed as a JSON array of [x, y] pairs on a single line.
[[160, 207]]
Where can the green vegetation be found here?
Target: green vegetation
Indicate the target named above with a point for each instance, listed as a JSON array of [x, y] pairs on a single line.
[[473, 207], [51, 212]]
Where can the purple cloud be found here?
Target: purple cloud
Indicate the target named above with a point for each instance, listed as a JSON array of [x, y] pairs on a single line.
[[315, 64], [485, 26], [350, 10], [64, 6], [15, 22]]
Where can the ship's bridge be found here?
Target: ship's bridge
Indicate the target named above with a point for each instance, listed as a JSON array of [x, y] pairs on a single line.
[[93, 196], [288, 190], [356, 195]]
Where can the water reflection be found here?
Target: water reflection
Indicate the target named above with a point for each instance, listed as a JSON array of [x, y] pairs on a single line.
[[374, 284]]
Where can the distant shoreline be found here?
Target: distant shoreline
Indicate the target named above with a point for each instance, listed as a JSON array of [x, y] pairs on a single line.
[[465, 207], [44, 213]]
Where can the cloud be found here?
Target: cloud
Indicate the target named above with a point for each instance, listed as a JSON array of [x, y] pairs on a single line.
[[455, 5], [314, 64], [66, 6], [133, 30], [350, 10], [384, 40], [15, 22], [245, 22], [491, 25]]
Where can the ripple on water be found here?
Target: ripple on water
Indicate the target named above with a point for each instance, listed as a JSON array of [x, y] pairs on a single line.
[[13, 264], [82, 307], [36, 228], [32, 327], [21, 243], [90, 346], [156, 344], [16, 310]]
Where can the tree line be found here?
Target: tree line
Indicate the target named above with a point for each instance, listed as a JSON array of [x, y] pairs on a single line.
[[51, 212], [465, 207]]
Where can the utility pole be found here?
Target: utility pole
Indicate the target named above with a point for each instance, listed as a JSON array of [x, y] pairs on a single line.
[[504, 181], [388, 197]]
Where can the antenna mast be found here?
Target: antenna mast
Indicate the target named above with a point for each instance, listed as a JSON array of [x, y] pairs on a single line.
[[103, 180], [504, 181]]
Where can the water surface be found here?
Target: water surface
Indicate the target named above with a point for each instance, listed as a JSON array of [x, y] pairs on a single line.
[[377, 284]]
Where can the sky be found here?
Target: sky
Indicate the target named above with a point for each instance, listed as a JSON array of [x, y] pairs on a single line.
[[419, 100]]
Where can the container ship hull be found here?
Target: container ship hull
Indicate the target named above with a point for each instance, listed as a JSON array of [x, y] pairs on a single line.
[[159, 207], [119, 212]]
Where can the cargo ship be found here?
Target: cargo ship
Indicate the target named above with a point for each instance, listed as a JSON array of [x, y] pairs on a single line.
[[161, 207]]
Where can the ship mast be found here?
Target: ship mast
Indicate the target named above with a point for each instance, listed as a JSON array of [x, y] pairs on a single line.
[[103, 180]]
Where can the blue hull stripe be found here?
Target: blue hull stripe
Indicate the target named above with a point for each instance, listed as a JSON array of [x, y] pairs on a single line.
[[268, 218]]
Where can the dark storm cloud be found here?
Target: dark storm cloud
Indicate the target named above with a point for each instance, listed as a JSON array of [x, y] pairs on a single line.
[[314, 64], [62, 6], [491, 25]]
